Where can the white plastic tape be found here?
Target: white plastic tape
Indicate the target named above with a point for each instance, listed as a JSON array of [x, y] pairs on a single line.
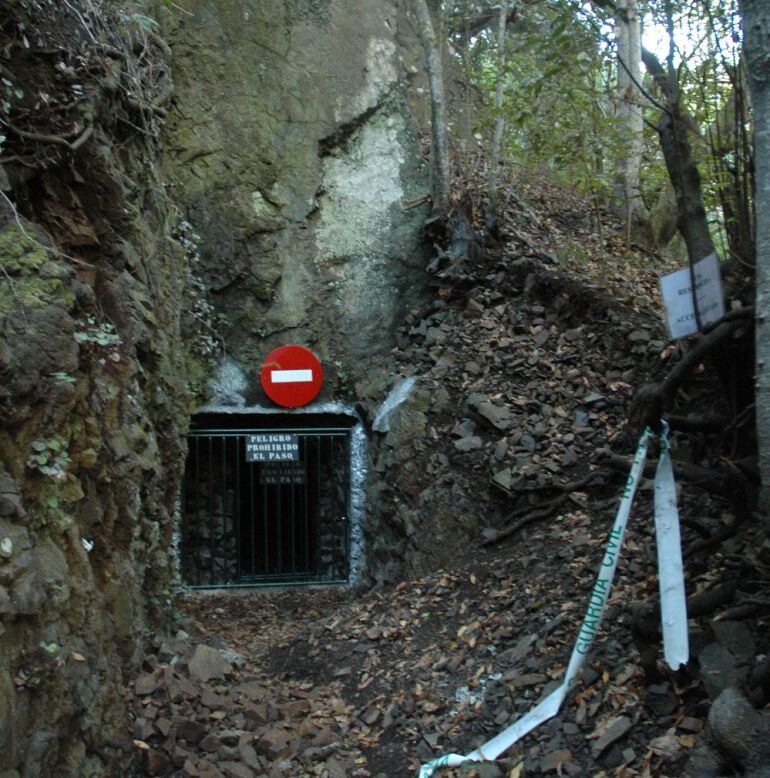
[[673, 603], [549, 707]]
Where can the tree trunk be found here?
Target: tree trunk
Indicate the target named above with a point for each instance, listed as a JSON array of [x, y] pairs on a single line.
[[628, 30], [756, 27], [685, 178], [497, 138], [440, 146], [682, 170]]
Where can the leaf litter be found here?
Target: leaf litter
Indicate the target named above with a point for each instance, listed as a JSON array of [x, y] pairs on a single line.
[[537, 366]]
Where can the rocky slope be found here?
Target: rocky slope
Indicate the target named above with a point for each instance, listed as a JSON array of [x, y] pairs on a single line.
[[518, 394]]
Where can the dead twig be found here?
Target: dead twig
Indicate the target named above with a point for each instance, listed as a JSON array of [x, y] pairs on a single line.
[[538, 513], [533, 247], [29, 237], [417, 201], [743, 609]]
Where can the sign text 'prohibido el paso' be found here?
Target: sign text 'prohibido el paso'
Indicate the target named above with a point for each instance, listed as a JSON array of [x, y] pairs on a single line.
[[272, 447], [291, 376]]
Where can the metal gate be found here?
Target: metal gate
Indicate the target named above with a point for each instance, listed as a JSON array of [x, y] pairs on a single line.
[[247, 523]]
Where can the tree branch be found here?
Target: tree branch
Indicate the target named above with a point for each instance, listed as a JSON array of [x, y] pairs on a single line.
[[465, 30]]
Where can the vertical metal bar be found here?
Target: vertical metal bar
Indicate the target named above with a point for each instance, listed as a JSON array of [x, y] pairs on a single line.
[[293, 533], [318, 512], [223, 565], [252, 517], [265, 522], [196, 547], [211, 506], [185, 500], [238, 571], [279, 528], [304, 488]]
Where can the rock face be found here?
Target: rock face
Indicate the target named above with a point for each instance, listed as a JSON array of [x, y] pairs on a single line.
[[93, 412], [90, 452], [294, 154]]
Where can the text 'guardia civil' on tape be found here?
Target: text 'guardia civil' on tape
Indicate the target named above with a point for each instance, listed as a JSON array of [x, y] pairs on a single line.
[[669, 565]]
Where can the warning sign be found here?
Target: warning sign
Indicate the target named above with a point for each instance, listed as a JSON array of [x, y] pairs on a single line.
[[272, 447], [291, 376], [282, 474], [678, 296]]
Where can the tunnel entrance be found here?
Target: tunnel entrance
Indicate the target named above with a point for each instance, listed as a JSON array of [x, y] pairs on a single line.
[[266, 500]]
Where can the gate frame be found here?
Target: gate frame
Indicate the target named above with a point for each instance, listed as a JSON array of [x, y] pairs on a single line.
[[272, 581]]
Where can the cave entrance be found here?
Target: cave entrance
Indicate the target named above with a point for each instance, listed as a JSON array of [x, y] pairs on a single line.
[[266, 501]]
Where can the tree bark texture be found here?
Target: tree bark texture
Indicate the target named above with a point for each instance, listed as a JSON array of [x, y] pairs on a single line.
[[756, 28], [682, 170], [497, 138], [440, 145], [628, 29]]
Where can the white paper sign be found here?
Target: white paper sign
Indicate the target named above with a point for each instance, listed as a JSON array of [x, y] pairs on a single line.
[[677, 296]]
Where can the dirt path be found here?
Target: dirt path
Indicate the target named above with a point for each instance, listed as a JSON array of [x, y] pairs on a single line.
[[323, 683]]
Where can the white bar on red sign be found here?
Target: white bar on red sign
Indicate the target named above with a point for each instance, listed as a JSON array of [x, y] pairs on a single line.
[[291, 376]]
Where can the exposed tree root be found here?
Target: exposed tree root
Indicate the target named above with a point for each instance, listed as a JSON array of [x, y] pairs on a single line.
[[707, 422], [713, 481], [656, 399], [530, 515]]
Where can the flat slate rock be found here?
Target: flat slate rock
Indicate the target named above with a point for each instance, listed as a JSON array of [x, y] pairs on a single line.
[[207, 663], [616, 729]]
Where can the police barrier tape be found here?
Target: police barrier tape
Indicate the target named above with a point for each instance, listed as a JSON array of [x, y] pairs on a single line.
[[673, 602], [673, 608]]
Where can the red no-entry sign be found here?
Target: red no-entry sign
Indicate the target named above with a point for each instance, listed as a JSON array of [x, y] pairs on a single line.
[[291, 376]]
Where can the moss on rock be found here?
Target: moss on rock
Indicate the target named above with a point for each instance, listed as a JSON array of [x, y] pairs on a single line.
[[29, 279]]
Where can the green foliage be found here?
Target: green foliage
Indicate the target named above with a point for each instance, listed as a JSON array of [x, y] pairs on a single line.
[[712, 93], [560, 97], [558, 101], [140, 21], [64, 377], [345, 387], [100, 334], [50, 458]]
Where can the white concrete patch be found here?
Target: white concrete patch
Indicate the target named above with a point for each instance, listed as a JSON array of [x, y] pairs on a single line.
[[229, 385], [361, 186], [380, 74]]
